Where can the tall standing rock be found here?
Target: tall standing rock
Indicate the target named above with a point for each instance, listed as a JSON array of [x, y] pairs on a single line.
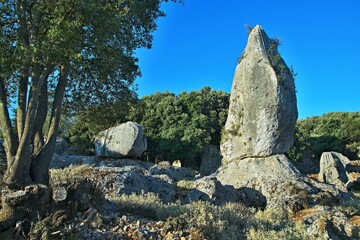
[[262, 111], [260, 129]]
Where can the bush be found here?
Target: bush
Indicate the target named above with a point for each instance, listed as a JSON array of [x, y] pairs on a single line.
[[338, 132], [179, 127], [230, 221]]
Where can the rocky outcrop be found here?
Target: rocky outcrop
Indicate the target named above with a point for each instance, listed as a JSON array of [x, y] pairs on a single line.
[[262, 111], [335, 168], [210, 160], [61, 146], [124, 141], [138, 180], [260, 128], [323, 222], [135, 177], [332, 170], [278, 181], [23, 206], [62, 161], [211, 190]]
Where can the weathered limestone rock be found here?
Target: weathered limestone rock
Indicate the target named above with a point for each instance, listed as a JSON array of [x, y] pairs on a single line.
[[262, 111], [124, 141], [333, 170], [74, 192], [211, 190], [323, 222], [210, 160], [23, 206], [138, 180], [278, 181], [61, 146], [62, 161]]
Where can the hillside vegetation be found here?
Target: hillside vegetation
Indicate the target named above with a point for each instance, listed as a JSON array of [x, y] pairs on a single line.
[[176, 126], [180, 126], [337, 131]]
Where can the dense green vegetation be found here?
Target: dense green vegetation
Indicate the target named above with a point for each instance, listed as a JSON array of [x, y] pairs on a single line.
[[177, 127], [338, 131], [81, 53]]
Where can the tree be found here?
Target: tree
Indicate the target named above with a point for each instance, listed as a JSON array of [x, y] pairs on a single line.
[[84, 49], [338, 131], [92, 120], [179, 127]]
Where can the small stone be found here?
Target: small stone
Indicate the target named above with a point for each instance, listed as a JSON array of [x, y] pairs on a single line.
[[59, 194]]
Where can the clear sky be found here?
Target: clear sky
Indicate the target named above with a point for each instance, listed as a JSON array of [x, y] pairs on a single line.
[[198, 45]]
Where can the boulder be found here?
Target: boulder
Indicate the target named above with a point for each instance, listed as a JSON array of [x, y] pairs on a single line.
[[323, 222], [276, 179], [124, 141], [210, 160], [333, 170], [138, 180], [61, 146], [262, 111], [175, 173], [211, 190]]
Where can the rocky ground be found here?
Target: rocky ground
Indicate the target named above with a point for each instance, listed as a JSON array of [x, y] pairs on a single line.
[[130, 199]]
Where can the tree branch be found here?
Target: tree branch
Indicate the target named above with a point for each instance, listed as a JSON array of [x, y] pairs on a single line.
[[6, 127], [41, 113], [18, 172], [39, 170]]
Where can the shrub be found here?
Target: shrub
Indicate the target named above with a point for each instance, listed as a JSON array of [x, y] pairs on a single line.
[[230, 221]]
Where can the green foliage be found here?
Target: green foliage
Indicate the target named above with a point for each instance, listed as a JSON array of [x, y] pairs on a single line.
[[178, 127], [338, 132], [92, 120]]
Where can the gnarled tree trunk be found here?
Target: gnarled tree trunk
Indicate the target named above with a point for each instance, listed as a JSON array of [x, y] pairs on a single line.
[[39, 170], [17, 173]]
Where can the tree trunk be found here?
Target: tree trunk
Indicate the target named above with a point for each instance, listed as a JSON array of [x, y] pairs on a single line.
[[22, 100], [39, 170], [17, 173], [24, 78], [6, 127], [38, 139]]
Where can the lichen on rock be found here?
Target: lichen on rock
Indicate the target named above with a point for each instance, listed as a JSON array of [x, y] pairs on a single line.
[[262, 111]]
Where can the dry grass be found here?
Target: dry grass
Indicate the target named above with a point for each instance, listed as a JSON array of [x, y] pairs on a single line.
[[231, 221], [354, 176], [306, 212], [355, 220], [61, 175], [313, 176], [185, 184]]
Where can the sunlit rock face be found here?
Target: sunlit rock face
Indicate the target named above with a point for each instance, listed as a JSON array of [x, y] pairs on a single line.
[[262, 112], [124, 141]]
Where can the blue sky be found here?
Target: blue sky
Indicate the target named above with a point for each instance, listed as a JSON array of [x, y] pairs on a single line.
[[198, 45]]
